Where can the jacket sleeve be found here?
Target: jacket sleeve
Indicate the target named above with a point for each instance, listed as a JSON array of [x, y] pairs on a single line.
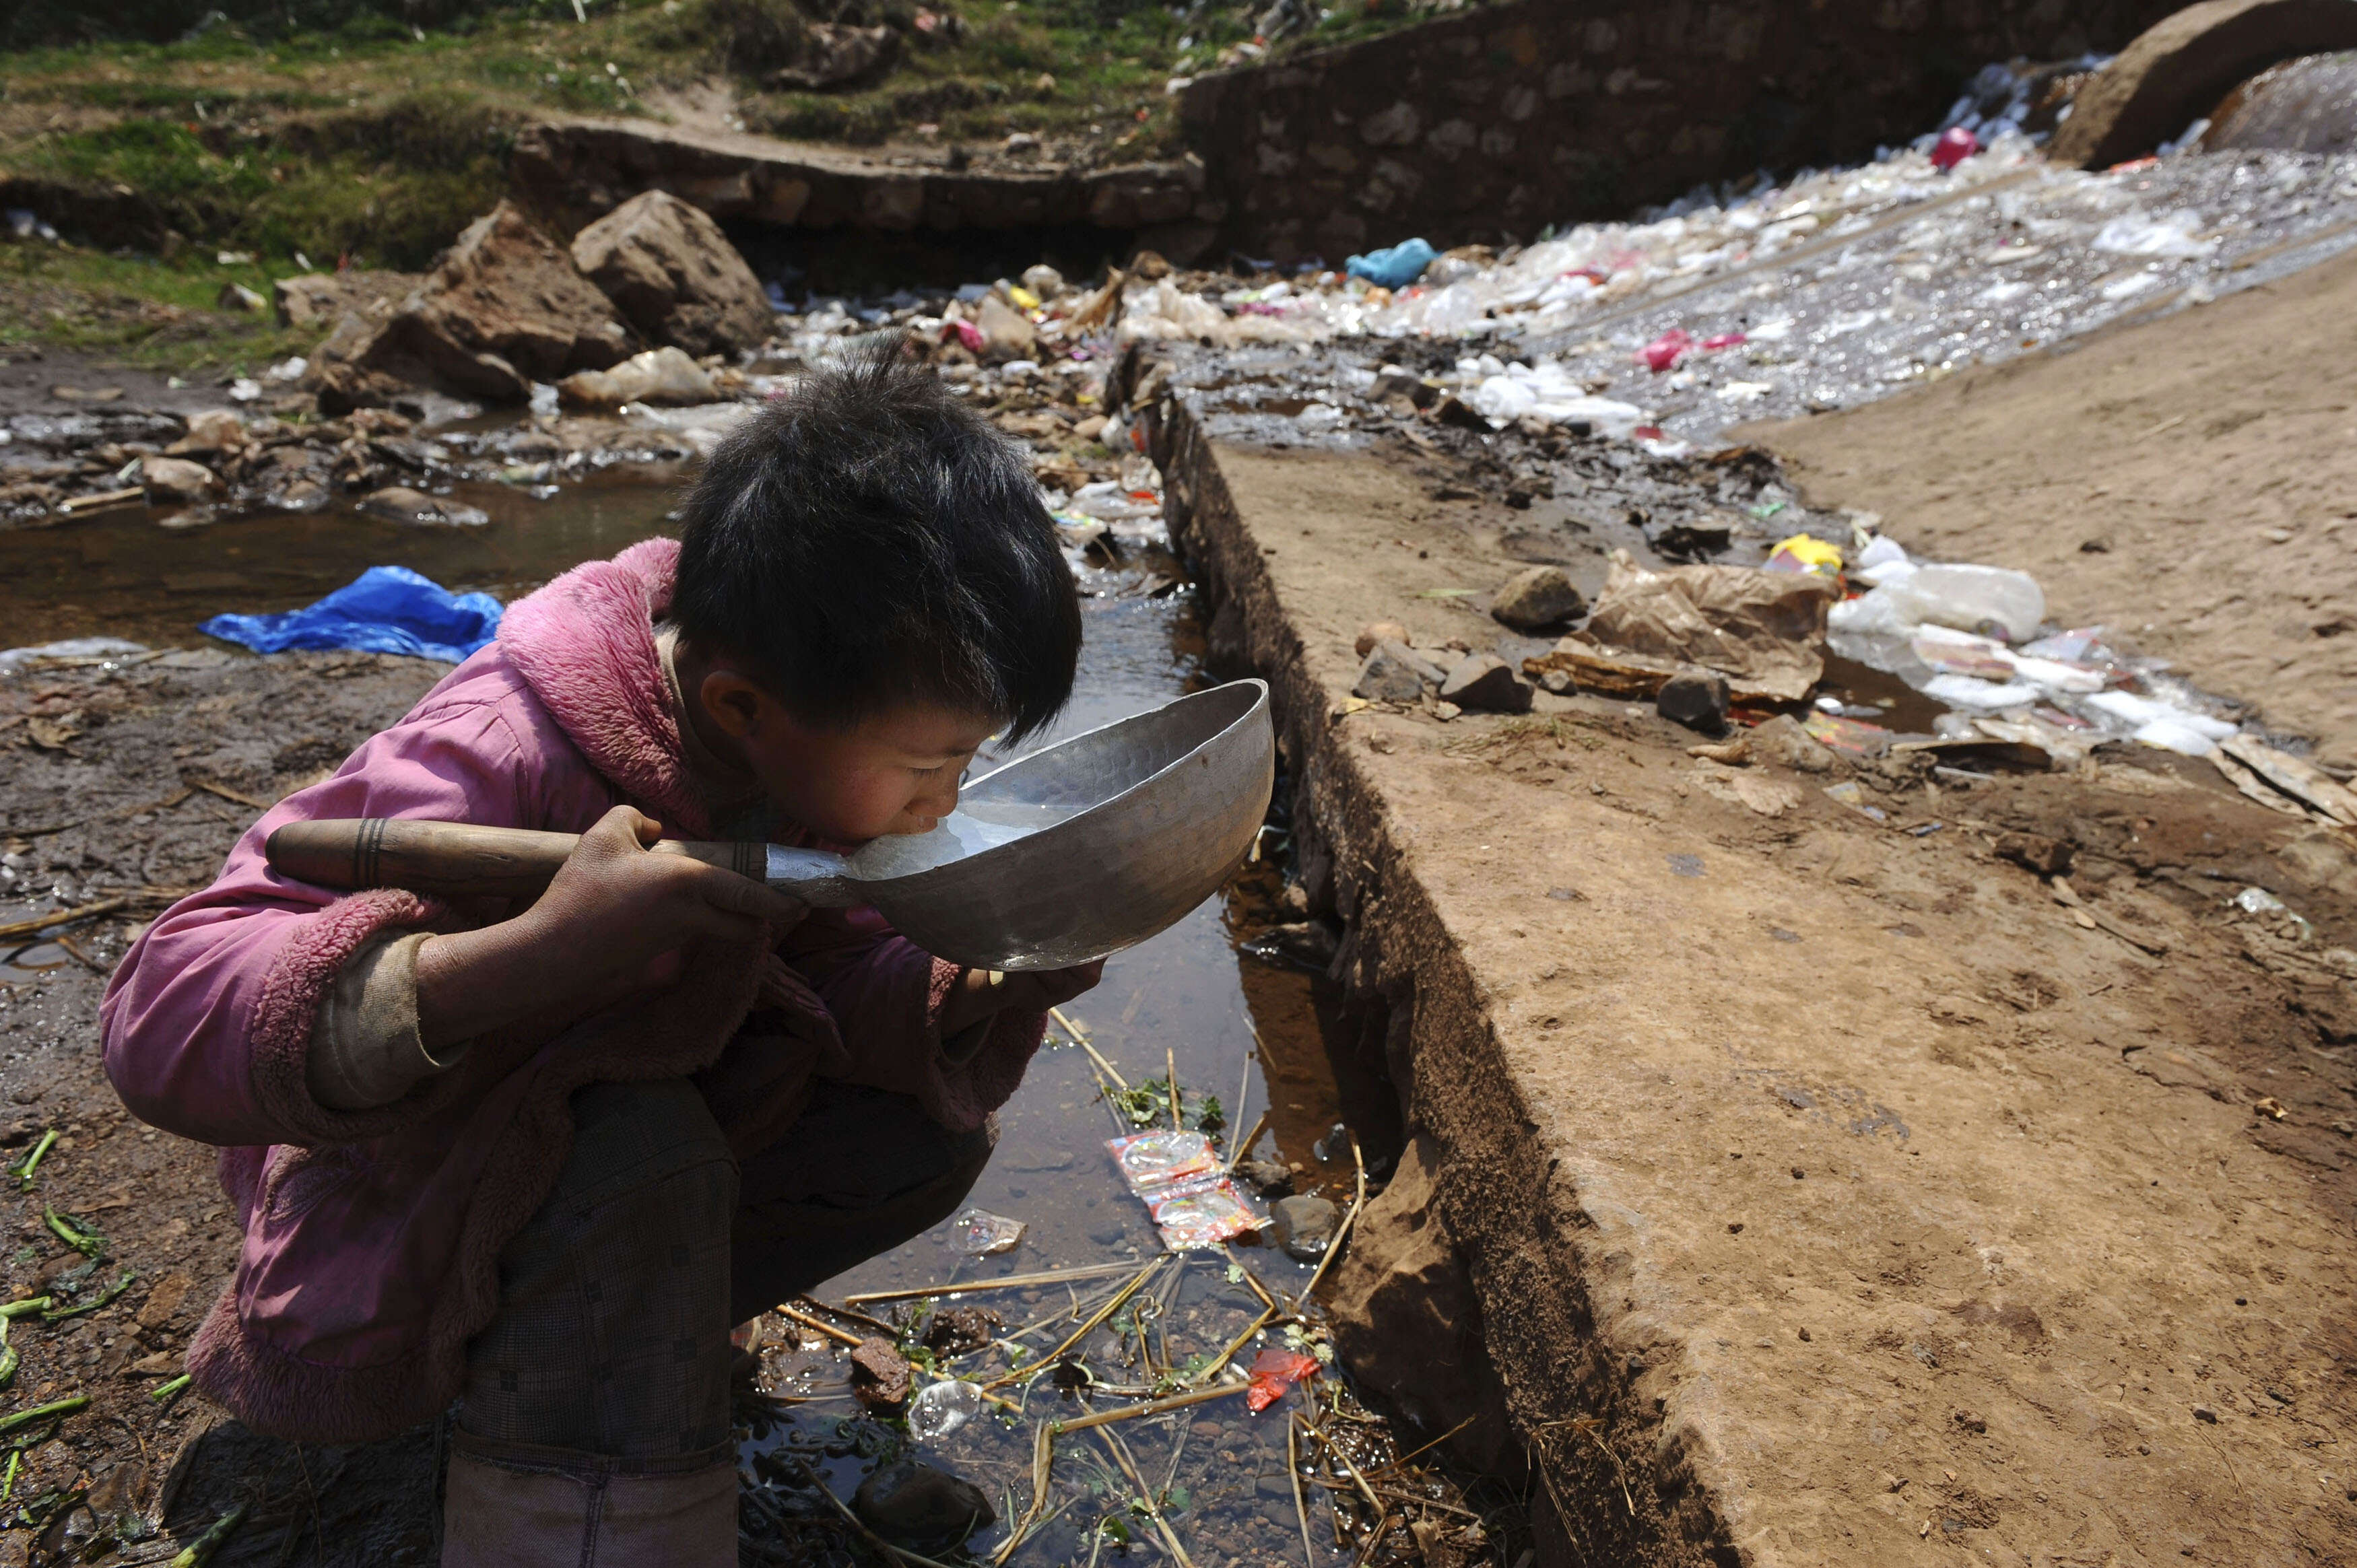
[[887, 995], [207, 1022]]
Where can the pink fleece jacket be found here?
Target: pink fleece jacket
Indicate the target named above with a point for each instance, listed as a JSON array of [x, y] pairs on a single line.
[[372, 1238]]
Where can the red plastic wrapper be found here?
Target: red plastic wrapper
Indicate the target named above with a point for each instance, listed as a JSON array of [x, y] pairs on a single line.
[[1725, 341], [1273, 1373], [1667, 349], [1954, 145]]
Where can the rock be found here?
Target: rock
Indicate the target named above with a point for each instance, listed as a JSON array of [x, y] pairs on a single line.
[[315, 299], [1698, 700], [1376, 631], [237, 296], [399, 503], [674, 275], [954, 1330], [1453, 409], [1270, 1179], [917, 1506], [1392, 673], [834, 55], [2178, 68], [503, 307], [1043, 280], [2035, 851], [1306, 1224], [177, 481], [661, 375], [1006, 332], [1540, 599], [165, 1300], [211, 430], [1407, 1323], [880, 1379], [1782, 740], [1488, 683]]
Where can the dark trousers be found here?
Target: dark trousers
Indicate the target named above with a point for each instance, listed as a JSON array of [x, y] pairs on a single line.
[[617, 1300]]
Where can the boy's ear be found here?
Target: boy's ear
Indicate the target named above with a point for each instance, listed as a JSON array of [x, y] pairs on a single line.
[[734, 702]]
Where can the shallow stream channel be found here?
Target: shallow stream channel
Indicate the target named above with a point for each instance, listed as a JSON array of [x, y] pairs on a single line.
[[1070, 1342]]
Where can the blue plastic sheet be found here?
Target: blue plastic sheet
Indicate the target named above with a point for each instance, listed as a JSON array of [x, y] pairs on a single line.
[[1396, 267], [385, 609]]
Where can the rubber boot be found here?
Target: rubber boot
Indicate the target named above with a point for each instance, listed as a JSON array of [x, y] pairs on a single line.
[[509, 1507]]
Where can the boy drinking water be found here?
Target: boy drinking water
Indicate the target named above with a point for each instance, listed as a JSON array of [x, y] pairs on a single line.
[[538, 1161]]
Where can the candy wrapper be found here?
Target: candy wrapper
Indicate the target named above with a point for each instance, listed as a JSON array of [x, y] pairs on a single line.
[[1273, 1373], [1152, 1161], [1202, 1214]]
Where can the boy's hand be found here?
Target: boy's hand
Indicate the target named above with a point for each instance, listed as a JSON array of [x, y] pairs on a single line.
[[612, 909], [980, 993]]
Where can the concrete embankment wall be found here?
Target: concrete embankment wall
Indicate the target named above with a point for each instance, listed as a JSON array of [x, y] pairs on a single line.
[[1490, 123]]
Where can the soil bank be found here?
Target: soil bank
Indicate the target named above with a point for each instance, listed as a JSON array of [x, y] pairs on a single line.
[[2185, 483], [1831, 1192]]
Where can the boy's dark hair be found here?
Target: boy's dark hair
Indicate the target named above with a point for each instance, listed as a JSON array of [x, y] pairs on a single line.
[[866, 539]]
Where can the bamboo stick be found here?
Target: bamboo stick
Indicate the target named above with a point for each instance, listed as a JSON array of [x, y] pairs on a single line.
[[1151, 1407], [1009, 1281], [1084, 1330], [1042, 1460], [1171, 1077], [1081, 1039], [1120, 1452], [1293, 1471], [1341, 1231], [840, 1337], [61, 917]]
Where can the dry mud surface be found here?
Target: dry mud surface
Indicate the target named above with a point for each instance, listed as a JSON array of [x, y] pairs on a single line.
[[1833, 1194], [2186, 483]]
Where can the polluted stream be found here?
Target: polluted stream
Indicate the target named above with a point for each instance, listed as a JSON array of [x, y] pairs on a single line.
[[1120, 1321]]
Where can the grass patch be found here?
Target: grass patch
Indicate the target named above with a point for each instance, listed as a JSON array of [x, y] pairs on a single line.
[[140, 309]]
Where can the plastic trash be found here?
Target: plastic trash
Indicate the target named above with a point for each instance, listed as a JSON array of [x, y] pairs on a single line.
[[1202, 1214], [2169, 236], [942, 1408], [1805, 553], [1274, 1374], [1664, 351], [978, 1233], [1970, 598], [385, 609], [1150, 1161], [1954, 145], [1393, 267]]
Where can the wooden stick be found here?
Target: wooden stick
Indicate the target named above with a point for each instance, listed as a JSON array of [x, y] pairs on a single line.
[[1151, 1407], [1171, 1077], [62, 917], [1081, 1039], [1341, 1231], [1358, 1481], [1293, 1470], [1042, 1459], [1241, 1340], [1083, 1331], [1236, 1154], [1435, 1443], [840, 1337], [1243, 1089], [861, 1318], [1120, 1451], [1011, 1282]]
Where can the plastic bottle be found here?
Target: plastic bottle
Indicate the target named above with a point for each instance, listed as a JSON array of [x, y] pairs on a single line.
[[1993, 600]]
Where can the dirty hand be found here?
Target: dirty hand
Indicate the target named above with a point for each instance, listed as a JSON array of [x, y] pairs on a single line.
[[613, 909], [982, 991]]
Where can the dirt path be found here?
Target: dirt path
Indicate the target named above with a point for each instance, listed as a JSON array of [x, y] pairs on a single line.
[[2187, 483], [1884, 1207]]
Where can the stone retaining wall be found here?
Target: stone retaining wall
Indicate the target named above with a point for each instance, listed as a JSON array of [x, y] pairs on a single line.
[[1489, 124]]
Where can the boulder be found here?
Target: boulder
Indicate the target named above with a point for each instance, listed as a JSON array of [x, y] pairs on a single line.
[[1306, 1223], [880, 1378], [177, 481], [1540, 599], [1697, 698], [1394, 673], [2178, 70], [1488, 683], [1376, 631], [399, 503], [1405, 1321], [674, 275], [658, 376], [320, 299], [503, 307], [917, 1506], [836, 55]]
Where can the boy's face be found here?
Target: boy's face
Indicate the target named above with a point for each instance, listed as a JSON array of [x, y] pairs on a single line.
[[895, 772]]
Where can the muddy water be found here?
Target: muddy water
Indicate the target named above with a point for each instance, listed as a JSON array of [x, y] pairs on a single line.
[[1186, 1001]]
